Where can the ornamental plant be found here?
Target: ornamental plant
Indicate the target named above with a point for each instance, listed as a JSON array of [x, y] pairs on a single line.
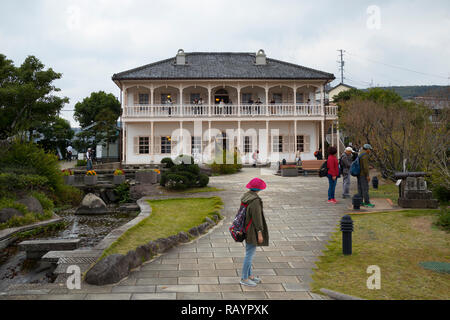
[[67, 172], [91, 173], [157, 171], [119, 172]]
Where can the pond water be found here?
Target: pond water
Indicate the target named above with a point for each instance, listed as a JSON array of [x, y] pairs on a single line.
[[15, 269]]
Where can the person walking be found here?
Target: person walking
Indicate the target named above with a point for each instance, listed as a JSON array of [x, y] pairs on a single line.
[[364, 178], [89, 159], [69, 153], [333, 173], [255, 158], [257, 233], [346, 162]]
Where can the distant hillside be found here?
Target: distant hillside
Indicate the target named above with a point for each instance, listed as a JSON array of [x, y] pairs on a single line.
[[409, 92]]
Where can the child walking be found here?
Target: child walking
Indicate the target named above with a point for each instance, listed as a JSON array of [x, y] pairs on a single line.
[[257, 233]]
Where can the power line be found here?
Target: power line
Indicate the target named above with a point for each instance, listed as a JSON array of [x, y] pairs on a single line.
[[399, 67]]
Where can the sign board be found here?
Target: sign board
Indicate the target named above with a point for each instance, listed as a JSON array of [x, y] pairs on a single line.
[[398, 182], [98, 151]]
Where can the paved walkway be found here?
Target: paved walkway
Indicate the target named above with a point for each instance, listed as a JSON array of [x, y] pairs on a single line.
[[299, 220]]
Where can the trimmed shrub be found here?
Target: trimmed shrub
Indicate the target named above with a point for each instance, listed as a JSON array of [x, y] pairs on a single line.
[[444, 218], [203, 180], [175, 181], [168, 162], [184, 159], [191, 179], [122, 191], [11, 203]]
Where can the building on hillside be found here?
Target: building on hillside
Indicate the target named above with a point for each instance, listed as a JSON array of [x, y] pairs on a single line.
[[338, 89], [435, 103], [201, 103]]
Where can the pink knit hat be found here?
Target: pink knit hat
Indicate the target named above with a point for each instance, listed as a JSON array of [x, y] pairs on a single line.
[[256, 184]]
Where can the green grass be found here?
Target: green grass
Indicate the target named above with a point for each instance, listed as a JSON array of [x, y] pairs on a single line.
[[386, 191], [396, 242], [198, 190], [168, 217]]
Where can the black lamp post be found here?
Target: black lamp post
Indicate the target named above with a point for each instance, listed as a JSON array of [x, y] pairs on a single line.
[[356, 201], [375, 182], [347, 229]]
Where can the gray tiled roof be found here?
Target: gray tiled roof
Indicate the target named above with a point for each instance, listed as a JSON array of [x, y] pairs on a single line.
[[222, 65]]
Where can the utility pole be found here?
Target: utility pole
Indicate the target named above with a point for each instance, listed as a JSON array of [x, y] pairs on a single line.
[[341, 64]]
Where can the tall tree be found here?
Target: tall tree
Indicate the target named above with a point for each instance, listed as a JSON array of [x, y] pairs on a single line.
[[57, 134], [27, 98], [97, 115]]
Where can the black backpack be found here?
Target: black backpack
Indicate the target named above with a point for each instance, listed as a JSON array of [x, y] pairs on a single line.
[[323, 171]]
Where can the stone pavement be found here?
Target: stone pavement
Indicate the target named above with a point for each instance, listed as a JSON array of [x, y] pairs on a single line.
[[300, 222]]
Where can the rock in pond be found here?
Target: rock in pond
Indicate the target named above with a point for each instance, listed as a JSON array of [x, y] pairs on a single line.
[[32, 204], [8, 213], [109, 270], [92, 204]]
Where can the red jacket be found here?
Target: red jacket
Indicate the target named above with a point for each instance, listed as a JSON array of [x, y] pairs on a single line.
[[333, 166]]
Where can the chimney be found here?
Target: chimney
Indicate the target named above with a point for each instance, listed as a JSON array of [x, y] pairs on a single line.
[[181, 57], [260, 58]]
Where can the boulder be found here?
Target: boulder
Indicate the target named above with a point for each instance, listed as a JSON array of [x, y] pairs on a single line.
[[8, 213], [210, 221], [194, 232], [203, 227], [183, 237], [163, 244], [32, 204], [132, 258], [216, 218], [143, 253], [152, 248], [92, 204], [109, 270]]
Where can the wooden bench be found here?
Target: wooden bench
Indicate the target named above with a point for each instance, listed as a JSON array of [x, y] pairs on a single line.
[[289, 170], [311, 165]]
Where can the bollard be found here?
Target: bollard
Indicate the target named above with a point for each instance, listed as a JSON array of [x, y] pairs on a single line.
[[356, 201], [375, 182], [347, 229]]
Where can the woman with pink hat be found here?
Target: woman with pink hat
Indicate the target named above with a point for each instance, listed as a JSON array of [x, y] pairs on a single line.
[[257, 233]]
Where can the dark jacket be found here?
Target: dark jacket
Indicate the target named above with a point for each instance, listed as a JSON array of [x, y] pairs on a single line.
[[346, 163], [255, 213], [333, 166], [364, 164]]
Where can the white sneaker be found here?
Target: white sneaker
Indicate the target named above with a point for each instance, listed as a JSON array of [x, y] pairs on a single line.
[[248, 282], [256, 280]]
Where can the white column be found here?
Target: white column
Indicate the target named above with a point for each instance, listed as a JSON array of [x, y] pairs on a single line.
[[181, 99], [323, 138], [267, 99], [209, 103], [124, 136], [295, 137], [268, 140], [338, 139], [181, 142], [152, 138], [209, 138], [295, 100], [152, 99], [239, 99], [332, 133], [322, 105]]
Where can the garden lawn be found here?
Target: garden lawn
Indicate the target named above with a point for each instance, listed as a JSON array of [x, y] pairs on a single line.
[[396, 242], [385, 191], [168, 217]]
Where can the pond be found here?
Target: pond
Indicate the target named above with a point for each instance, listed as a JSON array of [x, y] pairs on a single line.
[[16, 269]]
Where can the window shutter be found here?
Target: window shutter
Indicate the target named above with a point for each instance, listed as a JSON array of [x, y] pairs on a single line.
[[307, 143], [136, 145]]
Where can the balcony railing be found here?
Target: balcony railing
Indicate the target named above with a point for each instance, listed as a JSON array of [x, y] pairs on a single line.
[[205, 111]]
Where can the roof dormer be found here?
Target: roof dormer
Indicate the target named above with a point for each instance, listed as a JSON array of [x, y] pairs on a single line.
[[260, 57], [181, 57]]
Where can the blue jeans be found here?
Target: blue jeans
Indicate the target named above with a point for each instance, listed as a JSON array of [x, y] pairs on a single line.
[[250, 250], [89, 165], [331, 186]]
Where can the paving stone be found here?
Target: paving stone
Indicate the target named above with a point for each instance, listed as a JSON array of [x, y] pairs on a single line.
[[154, 296], [229, 280], [178, 261], [293, 272], [217, 273], [151, 267], [296, 286], [288, 295], [198, 280], [80, 296], [134, 289], [177, 288], [264, 287], [244, 295], [109, 296], [156, 281], [196, 266], [279, 279], [179, 273], [220, 288]]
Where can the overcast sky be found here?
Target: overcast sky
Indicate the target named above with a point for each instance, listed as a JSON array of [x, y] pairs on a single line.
[[386, 42]]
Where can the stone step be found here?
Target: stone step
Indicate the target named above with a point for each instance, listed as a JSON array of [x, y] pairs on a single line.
[[35, 249], [71, 256], [61, 269]]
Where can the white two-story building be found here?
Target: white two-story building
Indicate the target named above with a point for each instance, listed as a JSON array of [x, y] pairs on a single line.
[[201, 103]]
